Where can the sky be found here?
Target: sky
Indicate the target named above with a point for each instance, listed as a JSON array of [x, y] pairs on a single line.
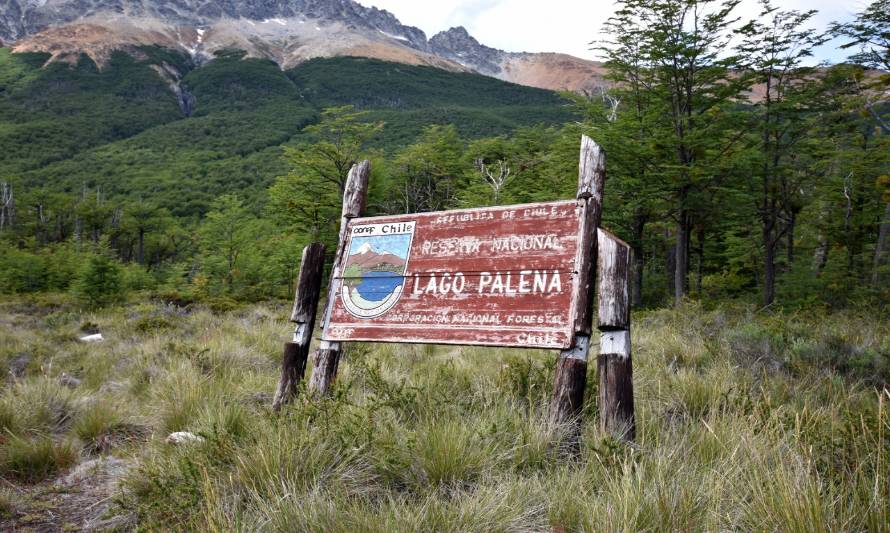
[[569, 25]]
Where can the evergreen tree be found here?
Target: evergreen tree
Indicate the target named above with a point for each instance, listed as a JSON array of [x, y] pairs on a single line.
[[773, 49], [869, 33], [308, 197], [100, 281], [677, 55], [226, 233]]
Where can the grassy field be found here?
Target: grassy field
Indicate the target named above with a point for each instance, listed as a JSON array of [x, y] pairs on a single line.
[[746, 421]]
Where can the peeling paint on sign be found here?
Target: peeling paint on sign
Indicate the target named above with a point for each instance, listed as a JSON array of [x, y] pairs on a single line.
[[502, 276]]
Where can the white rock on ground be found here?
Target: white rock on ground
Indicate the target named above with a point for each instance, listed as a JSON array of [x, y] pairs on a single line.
[[69, 381], [183, 437], [96, 337]]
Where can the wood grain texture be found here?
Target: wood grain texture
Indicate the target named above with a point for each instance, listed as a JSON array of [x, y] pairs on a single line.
[[570, 378], [568, 393], [591, 183], [500, 276], [616, 395], [293, 365], [614, 276], [326, 361], [591, 170], [615, 365], [308, 284]]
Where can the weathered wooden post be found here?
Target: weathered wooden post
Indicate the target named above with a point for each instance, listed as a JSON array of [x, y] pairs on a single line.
[[571, 368], [293, 366], [616, 393], [327, 357]]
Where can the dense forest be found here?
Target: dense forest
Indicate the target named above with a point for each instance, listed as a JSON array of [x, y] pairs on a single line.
[[734, 169]]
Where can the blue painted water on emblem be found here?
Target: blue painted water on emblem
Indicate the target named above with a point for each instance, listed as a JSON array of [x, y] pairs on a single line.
[[376, 286]]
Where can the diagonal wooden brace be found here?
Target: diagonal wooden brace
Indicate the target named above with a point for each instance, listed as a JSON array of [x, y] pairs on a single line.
[[293, 365]]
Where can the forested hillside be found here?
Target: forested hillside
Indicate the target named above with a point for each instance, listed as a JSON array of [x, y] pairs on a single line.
[[732, 176], [123, 132]]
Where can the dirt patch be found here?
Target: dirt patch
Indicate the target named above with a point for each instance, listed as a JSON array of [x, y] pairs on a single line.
[[80, 500]]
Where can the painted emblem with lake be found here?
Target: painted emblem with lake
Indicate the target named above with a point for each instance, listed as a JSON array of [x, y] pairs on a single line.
[[374, 271]]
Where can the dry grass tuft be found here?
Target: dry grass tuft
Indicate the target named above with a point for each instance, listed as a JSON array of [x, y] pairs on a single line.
[[746, 421]]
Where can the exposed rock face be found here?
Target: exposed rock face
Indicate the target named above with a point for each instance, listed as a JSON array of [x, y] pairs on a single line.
[[20, 18], [286, 31], [459, 46]]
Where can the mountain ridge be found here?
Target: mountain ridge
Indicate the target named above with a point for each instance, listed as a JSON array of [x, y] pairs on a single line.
[[288, 32]]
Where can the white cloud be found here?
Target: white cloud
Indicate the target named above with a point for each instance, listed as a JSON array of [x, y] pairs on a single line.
[[567, 25]]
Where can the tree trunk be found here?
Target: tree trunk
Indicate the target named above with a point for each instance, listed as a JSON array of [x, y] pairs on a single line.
[[700, 253], [140, 253], [880, 248], [636, 294], [769, 265], [670, 262], [792, 224], [681, 255]]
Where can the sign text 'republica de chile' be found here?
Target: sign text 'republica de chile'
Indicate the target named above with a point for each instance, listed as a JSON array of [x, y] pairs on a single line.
[[501, 276]]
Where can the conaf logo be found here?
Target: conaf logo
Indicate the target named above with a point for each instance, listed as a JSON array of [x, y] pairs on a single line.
[[374, 272]]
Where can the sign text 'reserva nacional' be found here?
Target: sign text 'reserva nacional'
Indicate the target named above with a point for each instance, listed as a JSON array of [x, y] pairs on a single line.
[[501, 276]]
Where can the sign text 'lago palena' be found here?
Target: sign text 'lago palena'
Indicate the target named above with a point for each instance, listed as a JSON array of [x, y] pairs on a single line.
[[500, 276]]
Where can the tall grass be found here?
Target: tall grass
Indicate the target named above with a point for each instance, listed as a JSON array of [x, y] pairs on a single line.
[[746, 421]]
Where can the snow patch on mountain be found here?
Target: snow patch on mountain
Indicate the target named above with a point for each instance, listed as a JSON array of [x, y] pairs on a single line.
[[390, 35], [272, 29]]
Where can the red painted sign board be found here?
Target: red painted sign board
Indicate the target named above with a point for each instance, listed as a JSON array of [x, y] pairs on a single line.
[[500, 276]]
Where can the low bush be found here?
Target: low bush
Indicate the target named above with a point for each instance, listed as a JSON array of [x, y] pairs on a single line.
[[34, 459]]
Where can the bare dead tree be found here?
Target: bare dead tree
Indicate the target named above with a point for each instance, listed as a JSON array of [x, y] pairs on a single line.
[[497, 180], [423, 192], [849, 201], [7, 205], [612, 102]]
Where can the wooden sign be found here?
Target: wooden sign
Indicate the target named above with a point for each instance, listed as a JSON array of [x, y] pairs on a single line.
[[501, 276]]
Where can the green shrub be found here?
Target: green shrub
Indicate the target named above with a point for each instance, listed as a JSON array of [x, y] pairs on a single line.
[[98, 425], [152, 324], [526, 379], [37, 405], [34, 459], [135, 278], [22, 271], [753, 344], [100, 281], [448, 452]]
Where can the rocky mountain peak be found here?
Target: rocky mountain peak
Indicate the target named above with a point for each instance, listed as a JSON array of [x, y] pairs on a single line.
[[288, 32], [458, 45], [20, 18]]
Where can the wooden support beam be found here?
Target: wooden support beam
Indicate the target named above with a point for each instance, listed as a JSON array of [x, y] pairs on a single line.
[[293, 366], [616, 396], [327, 357], [613, 274], [570, 379]]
